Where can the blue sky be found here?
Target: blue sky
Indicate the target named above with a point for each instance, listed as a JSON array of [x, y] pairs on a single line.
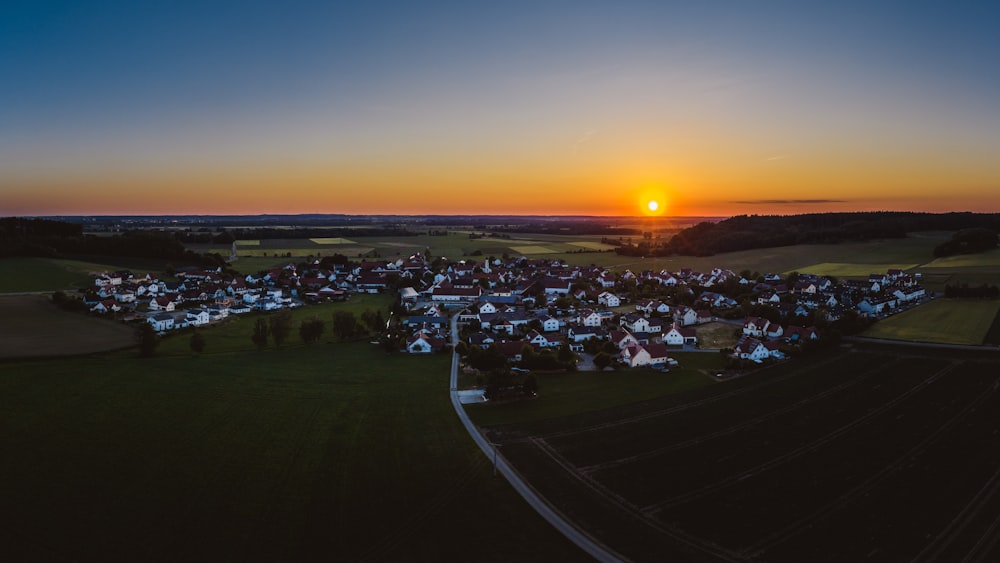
[[554, 105]]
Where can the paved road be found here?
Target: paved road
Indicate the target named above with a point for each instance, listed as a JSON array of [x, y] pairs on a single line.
[[977, 348], [574, 534]]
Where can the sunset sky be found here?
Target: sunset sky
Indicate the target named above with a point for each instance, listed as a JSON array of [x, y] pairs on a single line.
[[573, 107]]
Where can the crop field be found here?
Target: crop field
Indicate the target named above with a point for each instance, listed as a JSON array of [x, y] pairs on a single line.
[[52, 274], [847, 456], [330, 452], [853, 270], [31, 326], [945, 321]]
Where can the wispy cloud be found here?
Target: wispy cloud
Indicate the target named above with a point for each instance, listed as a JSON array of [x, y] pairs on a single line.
[[583, 139], [789, 201], [782, 157]]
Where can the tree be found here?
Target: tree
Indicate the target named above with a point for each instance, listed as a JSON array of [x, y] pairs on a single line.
[[373, 320], [310, 330], [197, 343], [147, 340], [260, 333], [565, 354], [602, 360], [281, 327], [462, 349], [344, 324]]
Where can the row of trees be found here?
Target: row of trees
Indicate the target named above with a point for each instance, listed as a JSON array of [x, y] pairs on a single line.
[[745, 232], [344, 326]]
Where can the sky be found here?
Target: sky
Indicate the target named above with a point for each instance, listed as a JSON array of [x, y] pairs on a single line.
[[579, 107]]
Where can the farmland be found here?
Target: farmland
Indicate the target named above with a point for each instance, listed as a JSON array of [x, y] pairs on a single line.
[[294, 454], [945, 321], [31, 326], [805, 460]]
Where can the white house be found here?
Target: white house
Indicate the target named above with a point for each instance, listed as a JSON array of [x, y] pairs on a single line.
[[751, 349], [421, 343], [550, 324], [609, 299], [679, 336], [635, 356], [588, 317], [198, 317], [686, 316], [161, 322], [755, 326]]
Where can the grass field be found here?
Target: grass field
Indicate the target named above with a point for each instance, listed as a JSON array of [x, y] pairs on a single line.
[[52, 274], [564, 394], [946, 321], [334, 452], [31, 326], [852, 270], [821, 459]]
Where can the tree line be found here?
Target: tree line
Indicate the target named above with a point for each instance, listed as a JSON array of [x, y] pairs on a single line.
[[747, 232]]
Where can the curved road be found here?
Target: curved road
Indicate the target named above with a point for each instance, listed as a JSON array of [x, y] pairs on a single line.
[[574, 534]]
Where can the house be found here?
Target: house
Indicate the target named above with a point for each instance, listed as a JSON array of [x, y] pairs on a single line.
[[421, 343], [774, 330], [679, 336], [686, 316], [588, 317], [162, 304], [481, 339], [161, 322], [798, 334], [550, 324], [609, 299], [582, 333], [623, 338], [635, 323], [755, 326], [635, 355], [657, 354], [542, 341], [751, 349], [197, 317]]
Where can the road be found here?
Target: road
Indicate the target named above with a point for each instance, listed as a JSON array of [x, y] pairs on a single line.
[[574, 534]]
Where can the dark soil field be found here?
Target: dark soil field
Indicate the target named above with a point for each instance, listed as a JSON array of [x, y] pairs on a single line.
[[878, 454], [31, 326]]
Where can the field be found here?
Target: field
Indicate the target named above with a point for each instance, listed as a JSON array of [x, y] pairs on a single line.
[[31, 326], [946, 321], [51, 274], [564, 394], [333, 452], [848, 456]]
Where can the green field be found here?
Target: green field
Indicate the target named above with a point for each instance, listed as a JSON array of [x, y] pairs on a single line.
[[946, 321], [852, 270], [564, 394], [991, 258], [31, 326], [51, 274], [334, 452]]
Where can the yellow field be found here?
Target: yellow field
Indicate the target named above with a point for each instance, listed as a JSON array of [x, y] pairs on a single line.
[[991, 258], [332, 240], [851, 270], [533, 250], [248, 243], [945, 321]]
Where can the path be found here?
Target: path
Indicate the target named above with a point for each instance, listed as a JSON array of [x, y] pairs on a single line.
[[574, 534]]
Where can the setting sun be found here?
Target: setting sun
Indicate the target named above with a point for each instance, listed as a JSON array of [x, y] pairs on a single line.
[[653, 205]]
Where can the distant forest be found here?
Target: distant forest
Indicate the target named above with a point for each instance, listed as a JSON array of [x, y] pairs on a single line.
[[48, 238], [747, 232]]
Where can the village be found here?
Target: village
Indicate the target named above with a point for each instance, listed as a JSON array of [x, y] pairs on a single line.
[[510, 303]]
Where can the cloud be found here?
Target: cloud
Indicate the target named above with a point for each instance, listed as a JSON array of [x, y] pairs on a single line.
[[782, 157], [789, 201], [586, 136]]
